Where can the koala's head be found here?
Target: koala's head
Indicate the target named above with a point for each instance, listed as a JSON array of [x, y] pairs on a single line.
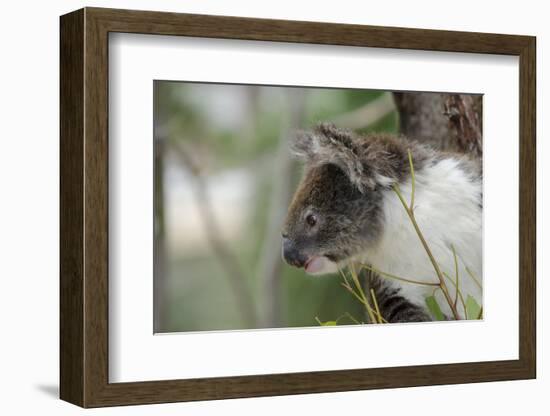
[[336, 211]]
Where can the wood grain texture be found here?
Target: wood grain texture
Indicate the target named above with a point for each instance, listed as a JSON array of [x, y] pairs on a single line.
[[71, 213], [84, 207], [527, 208], [226, 27], [96, 214]]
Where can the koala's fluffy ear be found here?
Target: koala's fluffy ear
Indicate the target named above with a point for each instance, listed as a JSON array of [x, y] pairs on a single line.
[[329, 144]]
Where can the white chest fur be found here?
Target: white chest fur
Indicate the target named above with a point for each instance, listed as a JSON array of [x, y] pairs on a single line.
[[448, 212]]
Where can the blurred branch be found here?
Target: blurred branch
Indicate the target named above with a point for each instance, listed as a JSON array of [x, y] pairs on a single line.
[[159, 248], [230, 265], [270, 263], [252, 106], [368, 114]]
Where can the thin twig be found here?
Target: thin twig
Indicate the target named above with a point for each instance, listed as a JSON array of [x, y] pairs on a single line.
[[436, 267], [355, 279], [369, 309], [458, 292], [343, 276], [350, 316], [360, 289], [428, 252], [473, 277], [456, 273], [376, 308], [392, 276], [413, 180], [358, 292], [236, 276]]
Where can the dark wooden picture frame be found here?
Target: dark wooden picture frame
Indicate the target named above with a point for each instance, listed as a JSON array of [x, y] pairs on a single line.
[[84, 207]]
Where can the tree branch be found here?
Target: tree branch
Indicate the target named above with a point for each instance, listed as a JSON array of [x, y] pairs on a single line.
[[270, 263], [230, 265]]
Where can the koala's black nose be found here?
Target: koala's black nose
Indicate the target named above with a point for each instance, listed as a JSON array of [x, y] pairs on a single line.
[[292, 255]]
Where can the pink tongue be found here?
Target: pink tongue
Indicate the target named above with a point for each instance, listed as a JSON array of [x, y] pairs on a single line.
[[315, 265]]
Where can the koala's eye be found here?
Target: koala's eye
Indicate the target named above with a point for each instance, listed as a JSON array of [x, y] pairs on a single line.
[[311, 220]]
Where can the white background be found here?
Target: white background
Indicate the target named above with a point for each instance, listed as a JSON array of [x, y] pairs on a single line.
[[30, 193], [136, 355]]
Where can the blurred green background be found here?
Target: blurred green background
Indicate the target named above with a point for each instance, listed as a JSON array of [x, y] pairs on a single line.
[[223, 178]]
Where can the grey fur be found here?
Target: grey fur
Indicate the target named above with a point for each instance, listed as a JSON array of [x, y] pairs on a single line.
[[364, 159], [343, 184], [344, 178]]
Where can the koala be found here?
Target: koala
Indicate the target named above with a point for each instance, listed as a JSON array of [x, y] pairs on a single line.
[[346, 211]]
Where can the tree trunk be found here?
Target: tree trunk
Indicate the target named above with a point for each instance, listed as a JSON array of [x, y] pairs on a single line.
[[448, 122]]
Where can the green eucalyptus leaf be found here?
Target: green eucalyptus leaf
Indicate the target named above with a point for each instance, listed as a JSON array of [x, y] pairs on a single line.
[[327, 323], [434, 308], [473, 310]]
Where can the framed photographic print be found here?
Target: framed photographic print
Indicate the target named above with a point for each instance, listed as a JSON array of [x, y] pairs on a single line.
[[255, 207]]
